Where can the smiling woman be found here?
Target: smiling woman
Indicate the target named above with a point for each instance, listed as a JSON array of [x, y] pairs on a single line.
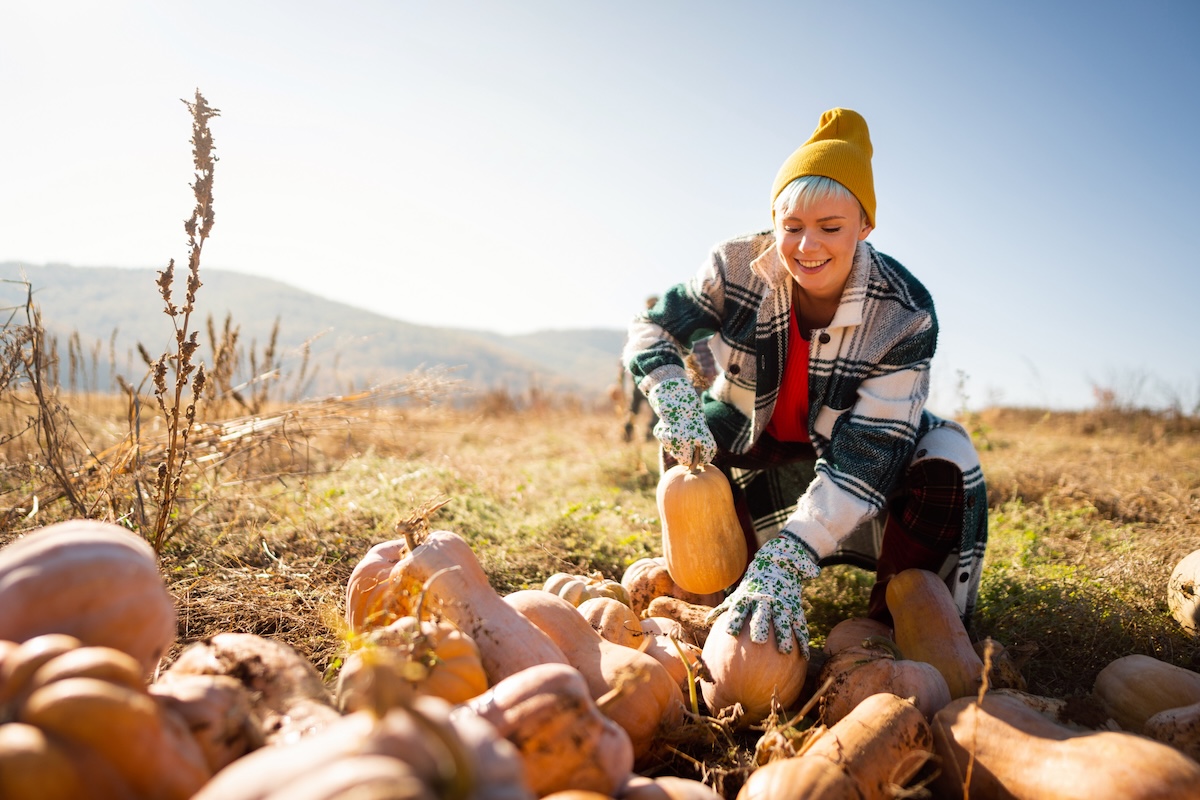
[[817, 415]]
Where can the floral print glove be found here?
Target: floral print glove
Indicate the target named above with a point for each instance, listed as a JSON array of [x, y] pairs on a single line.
[[769, 593], [681, 427]]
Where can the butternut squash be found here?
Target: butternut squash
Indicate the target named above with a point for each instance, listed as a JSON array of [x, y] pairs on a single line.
[[882, 743], [428, 750], [631, 687], [1183, 592], [460, 594], [1011, 751], [665, 787], [577, 588], [1133, 688], [648, 578], [1177, 727], [856, 673], [289, 696], [87, 707], [613, 620], [928, 628], [754, 676], [407, 656], [703, 542], [92, 580], [820, 778], [565, 742]]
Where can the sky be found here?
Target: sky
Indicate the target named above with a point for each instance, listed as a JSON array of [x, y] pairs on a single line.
[[548, 164]]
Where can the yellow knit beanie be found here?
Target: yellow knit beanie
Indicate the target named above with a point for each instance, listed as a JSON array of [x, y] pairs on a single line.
[[840, 148]]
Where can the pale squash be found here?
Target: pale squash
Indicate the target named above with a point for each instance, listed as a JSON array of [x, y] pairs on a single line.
[[405, 657], [565, 742], [613, 620], [444, 570], [1177, 727], [1183, 592], [703, 542], [88, 707], [1011, 751], [631, 687], [1133, 688], [92, 580], [882, 743], [289, 696], [856, 673], [648, 578], [928, 628], [756, 676], [575, 589], [428, 750]]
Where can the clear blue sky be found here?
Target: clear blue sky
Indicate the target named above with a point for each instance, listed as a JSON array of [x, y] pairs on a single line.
[[516, 166]]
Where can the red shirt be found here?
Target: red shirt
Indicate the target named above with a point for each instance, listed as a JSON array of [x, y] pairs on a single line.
[[789, 421]]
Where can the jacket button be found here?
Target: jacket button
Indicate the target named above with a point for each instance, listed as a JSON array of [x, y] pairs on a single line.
[[734, 369], [823, 338]]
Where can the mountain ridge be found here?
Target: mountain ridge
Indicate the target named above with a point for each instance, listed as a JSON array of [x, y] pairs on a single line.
[[113, 310]]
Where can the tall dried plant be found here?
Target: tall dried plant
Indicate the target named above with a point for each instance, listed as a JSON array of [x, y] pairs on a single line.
[[179, 418]]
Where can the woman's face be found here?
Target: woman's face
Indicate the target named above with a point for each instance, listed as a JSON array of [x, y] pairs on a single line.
[[817, 244]]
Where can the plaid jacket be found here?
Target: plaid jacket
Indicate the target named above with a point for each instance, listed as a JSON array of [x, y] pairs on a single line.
[[868, 371]]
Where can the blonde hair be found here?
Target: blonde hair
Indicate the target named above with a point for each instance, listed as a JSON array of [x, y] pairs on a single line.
[[809, 189]]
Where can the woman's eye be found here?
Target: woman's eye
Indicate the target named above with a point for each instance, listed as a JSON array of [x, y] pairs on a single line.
[[832, 230], [790, 230]]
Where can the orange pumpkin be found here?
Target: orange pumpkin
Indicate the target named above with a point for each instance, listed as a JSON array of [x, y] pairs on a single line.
[[702, 538]]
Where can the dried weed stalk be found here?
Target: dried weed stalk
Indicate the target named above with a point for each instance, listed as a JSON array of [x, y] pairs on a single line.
[[170, 398]]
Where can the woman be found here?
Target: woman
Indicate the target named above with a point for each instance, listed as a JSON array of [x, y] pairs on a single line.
[[817, 415]]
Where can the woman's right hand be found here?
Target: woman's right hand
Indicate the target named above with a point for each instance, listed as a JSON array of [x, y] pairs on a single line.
[[681, 427]]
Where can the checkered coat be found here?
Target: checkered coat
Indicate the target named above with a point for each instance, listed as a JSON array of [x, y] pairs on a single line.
[[868, 376]]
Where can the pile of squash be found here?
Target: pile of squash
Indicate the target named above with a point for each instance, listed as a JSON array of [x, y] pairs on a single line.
[[449, 690]]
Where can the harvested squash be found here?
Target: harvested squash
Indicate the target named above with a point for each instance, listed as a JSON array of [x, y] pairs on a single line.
[[1134, 688], [218, 710], [928, 628], [1177, 727], [666, 787], [631, 687], [444, 574], [613, 620], [83, 716], [754, 676], [575, 589], [648, 578], [428, 750], [289, 697], [1183, 592], [691, 617], [92, 580], [405, 657], [856, 673], [1009, 750], [882, 743], [702, 538], [565, 742]]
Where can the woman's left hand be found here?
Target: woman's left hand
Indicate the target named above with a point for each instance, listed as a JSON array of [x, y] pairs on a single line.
[[770, 593]]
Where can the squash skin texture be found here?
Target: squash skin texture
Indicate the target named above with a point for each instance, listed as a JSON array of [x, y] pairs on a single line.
[[565, 742], [652, 705], [1136, 687], [460, 594], [703, 543], [928, 628], [92, 580], [1003, 734], [749, 673]]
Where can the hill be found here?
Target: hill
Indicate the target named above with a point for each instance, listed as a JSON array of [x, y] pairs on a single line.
[[109, 311]]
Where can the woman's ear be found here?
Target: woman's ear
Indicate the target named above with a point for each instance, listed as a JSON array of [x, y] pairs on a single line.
[[866, 229]]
